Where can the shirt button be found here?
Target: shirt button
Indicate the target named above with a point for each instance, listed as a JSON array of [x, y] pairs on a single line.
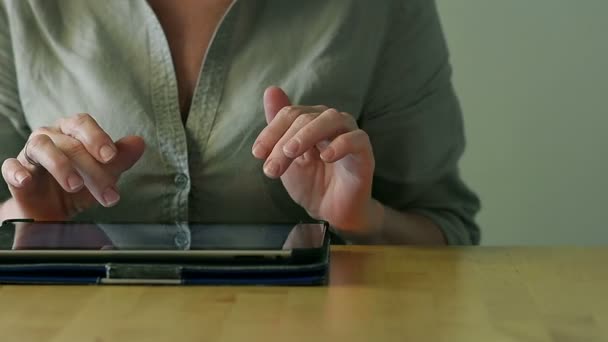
[[181, 240], [181, 180]]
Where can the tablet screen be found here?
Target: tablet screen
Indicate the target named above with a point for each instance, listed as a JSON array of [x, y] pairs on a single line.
[[148, 236]]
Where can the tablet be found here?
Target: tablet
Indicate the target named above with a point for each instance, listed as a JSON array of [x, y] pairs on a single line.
[[30, 241]]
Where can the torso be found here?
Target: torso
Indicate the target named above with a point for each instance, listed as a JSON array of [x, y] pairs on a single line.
[[189, 26], [110, 59]]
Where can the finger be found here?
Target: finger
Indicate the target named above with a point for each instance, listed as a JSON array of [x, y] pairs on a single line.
[[326, 126], [101, 179], [130, 150], [355, 142], [15, 174], [98, 179], [85, 129], [42, 150], [271, 134], [277, 162], [274, 100]]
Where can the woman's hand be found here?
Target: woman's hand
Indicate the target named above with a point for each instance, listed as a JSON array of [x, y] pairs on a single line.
[[65, 169], [324, 160]]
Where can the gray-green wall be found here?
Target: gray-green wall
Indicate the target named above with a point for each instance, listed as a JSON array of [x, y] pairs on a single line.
[[533, 80]]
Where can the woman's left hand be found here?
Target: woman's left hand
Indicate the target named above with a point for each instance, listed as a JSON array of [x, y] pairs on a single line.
[[324, 160]]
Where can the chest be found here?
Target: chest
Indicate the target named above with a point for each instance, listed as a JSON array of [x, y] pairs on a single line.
[[124, 66], [189, 26]]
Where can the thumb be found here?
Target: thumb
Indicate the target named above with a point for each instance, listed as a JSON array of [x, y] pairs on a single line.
[[274, 100], [130, 149]]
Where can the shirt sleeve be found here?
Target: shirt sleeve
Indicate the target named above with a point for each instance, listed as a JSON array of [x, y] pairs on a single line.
[[415, 124], [13, 129]]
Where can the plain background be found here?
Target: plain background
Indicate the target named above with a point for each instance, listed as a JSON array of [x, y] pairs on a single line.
[[532, 77]]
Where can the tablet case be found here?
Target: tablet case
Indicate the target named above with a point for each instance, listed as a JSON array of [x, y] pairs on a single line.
[[314, 272]]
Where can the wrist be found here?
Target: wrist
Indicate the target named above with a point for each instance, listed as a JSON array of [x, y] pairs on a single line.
[[370, 228]]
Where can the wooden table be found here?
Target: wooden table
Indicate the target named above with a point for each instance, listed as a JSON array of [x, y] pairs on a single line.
[[376, 294]]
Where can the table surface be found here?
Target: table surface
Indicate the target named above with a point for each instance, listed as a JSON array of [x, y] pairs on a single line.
[[375, 294]]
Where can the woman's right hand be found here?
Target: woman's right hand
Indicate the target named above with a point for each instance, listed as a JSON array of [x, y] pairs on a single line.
[[68, 168]]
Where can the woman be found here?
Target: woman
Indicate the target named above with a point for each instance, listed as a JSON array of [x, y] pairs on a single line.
[[363, 130]]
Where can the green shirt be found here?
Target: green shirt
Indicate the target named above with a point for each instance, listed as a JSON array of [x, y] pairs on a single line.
[[384, 62]]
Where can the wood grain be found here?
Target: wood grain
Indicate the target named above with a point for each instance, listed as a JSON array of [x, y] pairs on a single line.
[[375, 294]]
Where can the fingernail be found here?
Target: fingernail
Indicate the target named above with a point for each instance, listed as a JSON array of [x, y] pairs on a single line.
[[110, 197], [259, 151], [271, 169], [291, 148], [107, 153], [21, 176], [75, 182], [328, 154]]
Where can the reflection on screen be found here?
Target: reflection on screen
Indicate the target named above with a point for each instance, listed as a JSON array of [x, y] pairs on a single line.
[[178, 236]]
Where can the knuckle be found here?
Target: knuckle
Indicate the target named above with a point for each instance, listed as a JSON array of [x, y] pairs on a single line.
[[291, 113], [284, 111], [346, 117], [304, 119], [98, 137], [6, 164], [41, 131], [60, 163], [368, 140], [83, 117], [8, 168], [78, 120], [363, 134], [288, 109], [334, 114], [39, 141], [64, 121], [73, 148], [357, 137], [362, 139]]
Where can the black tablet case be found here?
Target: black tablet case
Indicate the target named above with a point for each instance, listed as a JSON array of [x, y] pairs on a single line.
[[250, 272]]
